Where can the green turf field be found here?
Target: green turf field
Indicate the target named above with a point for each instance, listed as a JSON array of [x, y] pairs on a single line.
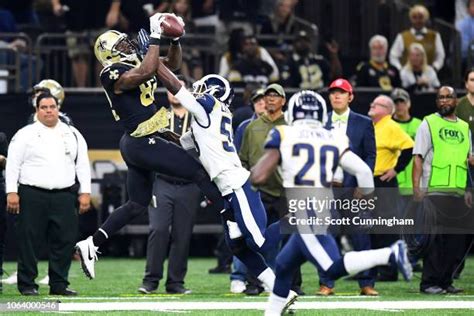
[[117, 280]]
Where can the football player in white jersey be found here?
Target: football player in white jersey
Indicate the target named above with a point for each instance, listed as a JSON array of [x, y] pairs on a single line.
[[245, 218], [308, 154]]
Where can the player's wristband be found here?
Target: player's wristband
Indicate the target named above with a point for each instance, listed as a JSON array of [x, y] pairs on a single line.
[[154, 40], [175, 41]]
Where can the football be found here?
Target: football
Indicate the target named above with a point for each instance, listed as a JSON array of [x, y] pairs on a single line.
[[171, 27]]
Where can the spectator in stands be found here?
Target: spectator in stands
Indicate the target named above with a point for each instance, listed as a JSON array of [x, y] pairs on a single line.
[[238, 14], [377, 72], [182, 8], [79, 19], [307, 70], [283, 25], [15, 46], [466, 28], [418, 33], [283, 20], [234, 53], [44, 160], [191, 66], [133, 14], [22, 11], [204, 12], [417, 75], [171, 219], [250, 67]]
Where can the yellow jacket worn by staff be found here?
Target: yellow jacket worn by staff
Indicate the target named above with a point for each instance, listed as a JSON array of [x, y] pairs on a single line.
[[390, 140], [450, 151]]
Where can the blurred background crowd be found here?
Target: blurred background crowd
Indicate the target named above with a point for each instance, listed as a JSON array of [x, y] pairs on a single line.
[[301, 44]]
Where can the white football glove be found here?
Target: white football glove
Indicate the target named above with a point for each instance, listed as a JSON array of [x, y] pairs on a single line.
[[155, 25]]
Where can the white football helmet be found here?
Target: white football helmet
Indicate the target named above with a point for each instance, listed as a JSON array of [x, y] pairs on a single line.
[[215, 85], [306, 105]]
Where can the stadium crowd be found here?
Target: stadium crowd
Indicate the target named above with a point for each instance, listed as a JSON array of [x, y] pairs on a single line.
[[392, 143]]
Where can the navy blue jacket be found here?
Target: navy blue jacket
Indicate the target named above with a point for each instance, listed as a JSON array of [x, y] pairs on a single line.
[[360, 131]]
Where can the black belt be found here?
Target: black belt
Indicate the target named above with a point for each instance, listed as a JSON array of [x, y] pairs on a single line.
[[68, 189]]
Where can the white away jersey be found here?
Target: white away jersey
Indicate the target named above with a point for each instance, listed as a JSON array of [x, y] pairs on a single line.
[[217, 153], [309, 154]]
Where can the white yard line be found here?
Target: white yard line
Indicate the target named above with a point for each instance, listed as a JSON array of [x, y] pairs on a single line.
[[183, 306]]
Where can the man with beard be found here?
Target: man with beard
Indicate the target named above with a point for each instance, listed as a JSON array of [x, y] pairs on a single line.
[[307, 70], [442, 147], [377, 72]]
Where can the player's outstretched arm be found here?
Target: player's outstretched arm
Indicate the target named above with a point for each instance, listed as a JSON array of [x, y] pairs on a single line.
[[265, 166], [148, 67], [172, 84], [175, 57], [136, 76], [352, 163]]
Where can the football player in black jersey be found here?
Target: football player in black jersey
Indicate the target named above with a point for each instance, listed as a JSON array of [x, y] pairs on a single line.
[[129, 83]]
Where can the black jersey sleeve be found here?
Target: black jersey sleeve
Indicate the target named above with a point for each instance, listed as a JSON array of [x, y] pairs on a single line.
[[111, 74]]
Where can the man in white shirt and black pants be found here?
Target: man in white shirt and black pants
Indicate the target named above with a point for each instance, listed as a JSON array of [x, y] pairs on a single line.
[[47, 164]]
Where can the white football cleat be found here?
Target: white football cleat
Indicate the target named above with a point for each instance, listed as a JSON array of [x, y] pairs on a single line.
[[237, 286], [290, 300], [45, 280], [12, 279], [88, 254]]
